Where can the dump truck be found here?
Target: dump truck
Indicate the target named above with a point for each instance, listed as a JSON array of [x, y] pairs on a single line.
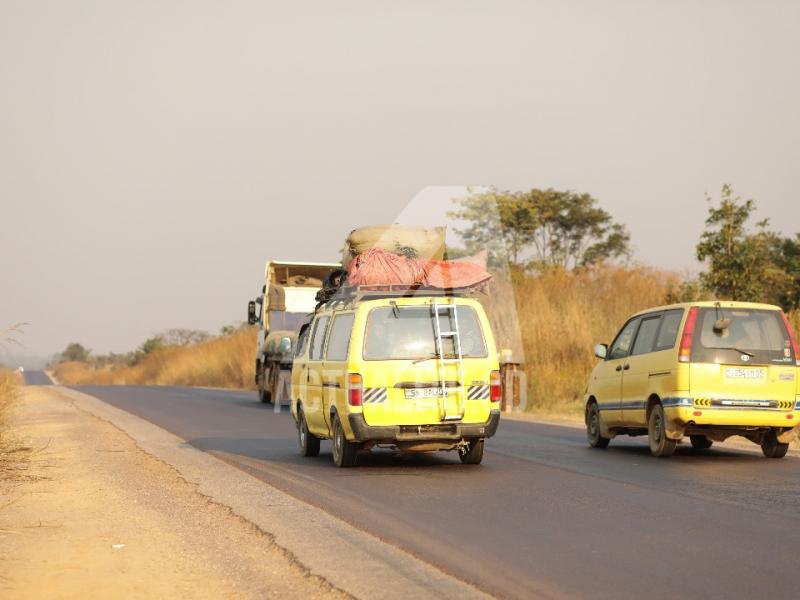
[[288, 295]]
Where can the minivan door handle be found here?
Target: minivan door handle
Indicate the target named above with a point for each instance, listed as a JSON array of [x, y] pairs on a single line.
[[627, 366], [619, 367]]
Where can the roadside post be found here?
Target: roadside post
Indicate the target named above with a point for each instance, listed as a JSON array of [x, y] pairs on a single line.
[[513, 379]]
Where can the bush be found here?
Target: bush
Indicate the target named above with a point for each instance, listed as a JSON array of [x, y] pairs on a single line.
[[226, 361]]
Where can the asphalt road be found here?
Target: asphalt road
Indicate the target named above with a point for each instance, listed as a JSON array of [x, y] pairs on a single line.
[[544, 515], [36, 378]]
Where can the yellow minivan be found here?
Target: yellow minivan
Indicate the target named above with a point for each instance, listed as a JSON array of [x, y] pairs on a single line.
[[383, 368], [709, 370]]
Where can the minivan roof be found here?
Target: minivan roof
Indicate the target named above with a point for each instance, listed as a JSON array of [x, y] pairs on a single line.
[[711, 304]]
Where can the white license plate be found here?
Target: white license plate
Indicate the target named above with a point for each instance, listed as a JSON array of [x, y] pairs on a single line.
[[413, 393], [744, 373]]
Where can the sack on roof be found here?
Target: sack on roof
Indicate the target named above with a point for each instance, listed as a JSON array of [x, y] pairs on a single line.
[[380, 267], [405, 240]]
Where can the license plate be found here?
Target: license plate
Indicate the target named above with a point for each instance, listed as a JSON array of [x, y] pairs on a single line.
[[744, 373], [414, 393]]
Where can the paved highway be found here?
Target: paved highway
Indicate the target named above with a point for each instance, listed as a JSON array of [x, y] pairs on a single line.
[[36, 378], [544, 515]]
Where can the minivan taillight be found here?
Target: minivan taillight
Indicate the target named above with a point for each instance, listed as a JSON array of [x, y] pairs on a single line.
[[354, 389], [495, 387], [793, 337], [685, 353]]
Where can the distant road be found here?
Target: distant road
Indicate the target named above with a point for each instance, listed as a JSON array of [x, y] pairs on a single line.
[[37, 378], [544, 515]]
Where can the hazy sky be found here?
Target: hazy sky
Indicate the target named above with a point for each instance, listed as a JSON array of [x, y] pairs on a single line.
[[154, 154]]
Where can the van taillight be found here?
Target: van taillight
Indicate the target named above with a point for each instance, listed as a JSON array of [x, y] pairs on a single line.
[[354, 388], [685, 354], [793, 337], [495, 387]]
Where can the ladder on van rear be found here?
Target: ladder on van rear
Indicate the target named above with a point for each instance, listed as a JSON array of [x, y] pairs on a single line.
[[450, 310]]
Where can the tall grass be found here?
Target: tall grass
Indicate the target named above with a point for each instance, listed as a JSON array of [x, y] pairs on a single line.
[[552, 321], [226, 361], [563, 314], [9, 387]]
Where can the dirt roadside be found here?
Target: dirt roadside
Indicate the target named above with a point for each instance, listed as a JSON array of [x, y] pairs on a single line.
[[85, 513]]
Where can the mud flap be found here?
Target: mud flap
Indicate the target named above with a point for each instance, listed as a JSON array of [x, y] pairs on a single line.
[[283, 393]]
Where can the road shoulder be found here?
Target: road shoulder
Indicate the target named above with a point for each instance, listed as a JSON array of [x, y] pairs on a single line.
[[86, 513], [312, 538]]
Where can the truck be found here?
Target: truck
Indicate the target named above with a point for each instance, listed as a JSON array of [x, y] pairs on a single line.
[[288, 295]]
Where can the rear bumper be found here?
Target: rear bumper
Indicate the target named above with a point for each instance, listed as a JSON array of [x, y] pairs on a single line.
[[743, 417], [363, 432]]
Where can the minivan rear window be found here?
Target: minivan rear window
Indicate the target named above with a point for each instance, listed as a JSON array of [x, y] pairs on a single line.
[[752, 336], [407, 333]]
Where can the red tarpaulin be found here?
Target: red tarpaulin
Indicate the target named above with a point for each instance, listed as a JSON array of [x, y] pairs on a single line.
[[380, 267]]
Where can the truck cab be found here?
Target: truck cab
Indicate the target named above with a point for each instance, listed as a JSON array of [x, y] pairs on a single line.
[[288, 295]]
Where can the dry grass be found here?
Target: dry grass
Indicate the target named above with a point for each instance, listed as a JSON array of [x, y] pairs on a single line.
[[562, 315], [9, 388], [225, 361]]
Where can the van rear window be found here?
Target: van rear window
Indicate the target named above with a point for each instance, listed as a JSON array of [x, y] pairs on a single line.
[[407, 333], [741, 335]]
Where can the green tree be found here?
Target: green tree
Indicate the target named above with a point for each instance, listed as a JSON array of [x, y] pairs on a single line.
[[740, 263], [500, 221], [75, 352], [550, 227], [151, 345], [787, 259], [572, 231]]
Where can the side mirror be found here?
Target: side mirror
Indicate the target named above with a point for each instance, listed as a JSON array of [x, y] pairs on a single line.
[[251, 313], [601, 351]]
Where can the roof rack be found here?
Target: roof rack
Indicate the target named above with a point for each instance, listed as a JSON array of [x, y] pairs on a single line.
[[391, 290]]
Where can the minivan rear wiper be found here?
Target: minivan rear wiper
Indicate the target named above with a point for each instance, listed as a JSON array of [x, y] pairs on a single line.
[[431, 356], [750, 354]]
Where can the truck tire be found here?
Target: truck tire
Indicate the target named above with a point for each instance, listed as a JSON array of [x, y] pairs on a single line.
[[263, 393], [660, 445]]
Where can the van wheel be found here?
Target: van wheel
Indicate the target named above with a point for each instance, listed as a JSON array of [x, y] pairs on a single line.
[[593, 429], [473, 453], [771, 447], [660, 444], [344, 453], [700, 442], [309, 443]]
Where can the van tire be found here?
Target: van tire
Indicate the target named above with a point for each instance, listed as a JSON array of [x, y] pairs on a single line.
[[660, 445], [700, 442], [593, 429], [473, 453], [771, 447], [309, 443], [345, 453]]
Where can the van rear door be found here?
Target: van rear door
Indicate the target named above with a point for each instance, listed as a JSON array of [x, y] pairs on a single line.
[[742, 358], [402, 378]]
